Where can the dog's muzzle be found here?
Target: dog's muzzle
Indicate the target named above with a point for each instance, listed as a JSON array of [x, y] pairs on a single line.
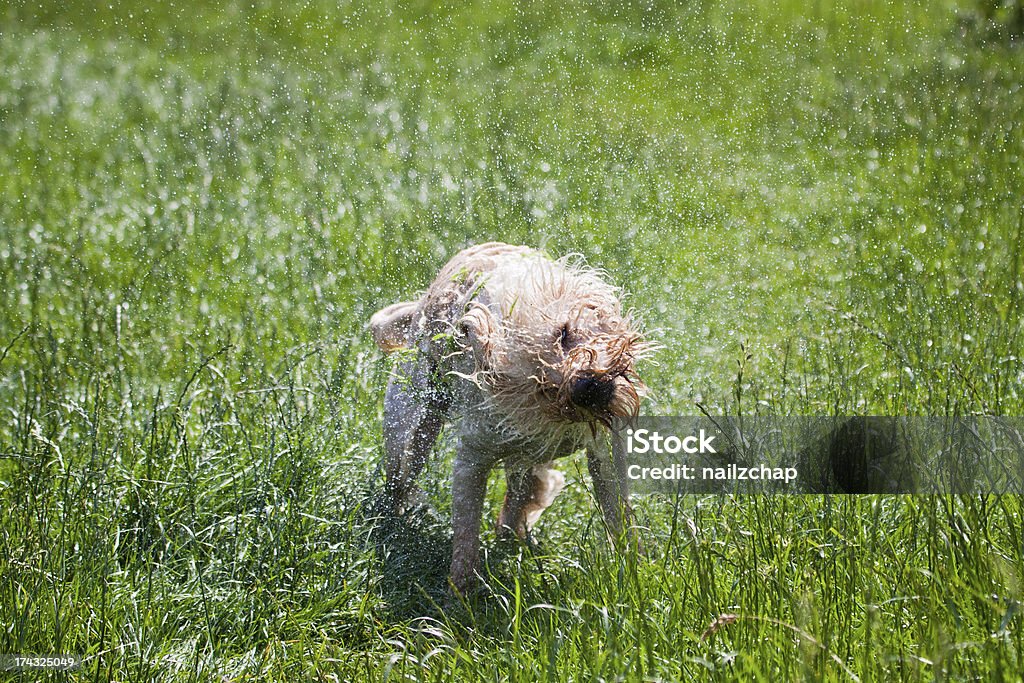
[[593, 393]]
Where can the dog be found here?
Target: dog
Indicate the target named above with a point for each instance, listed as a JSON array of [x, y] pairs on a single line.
[[531, 359]]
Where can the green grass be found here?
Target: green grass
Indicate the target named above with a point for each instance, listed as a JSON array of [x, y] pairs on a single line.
[[200, 209]]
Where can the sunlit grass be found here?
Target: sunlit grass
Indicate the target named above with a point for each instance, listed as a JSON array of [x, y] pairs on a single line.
[[200, 210]]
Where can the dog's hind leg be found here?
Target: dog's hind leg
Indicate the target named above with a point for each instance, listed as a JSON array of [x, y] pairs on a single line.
[[528, 492], [519, 485], [414, 412]]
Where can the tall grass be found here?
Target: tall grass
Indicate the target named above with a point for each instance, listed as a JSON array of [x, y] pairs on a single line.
[[200, 209]]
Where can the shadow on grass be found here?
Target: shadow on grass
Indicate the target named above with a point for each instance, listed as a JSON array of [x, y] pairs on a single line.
[[414, 551]]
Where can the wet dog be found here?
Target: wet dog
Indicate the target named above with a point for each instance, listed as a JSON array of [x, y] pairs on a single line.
[[531, 359]]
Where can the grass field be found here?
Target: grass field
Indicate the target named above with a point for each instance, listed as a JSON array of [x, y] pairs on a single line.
[[817, 207]]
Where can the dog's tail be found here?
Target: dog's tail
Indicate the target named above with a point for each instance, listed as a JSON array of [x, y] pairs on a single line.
[[390, 326]]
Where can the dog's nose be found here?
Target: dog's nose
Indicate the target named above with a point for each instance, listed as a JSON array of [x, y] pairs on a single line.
[[592, 393]]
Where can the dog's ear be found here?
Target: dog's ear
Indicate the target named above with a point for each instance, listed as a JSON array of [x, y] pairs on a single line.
[[481, 330], [391, 326]]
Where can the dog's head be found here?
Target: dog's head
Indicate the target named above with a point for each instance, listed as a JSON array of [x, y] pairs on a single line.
[[592, 366], [554, 346]]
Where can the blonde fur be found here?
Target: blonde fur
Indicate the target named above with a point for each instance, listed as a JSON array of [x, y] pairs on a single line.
[[533, 357]]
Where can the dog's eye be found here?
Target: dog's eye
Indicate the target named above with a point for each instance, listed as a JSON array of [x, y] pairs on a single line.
[[563, 337]]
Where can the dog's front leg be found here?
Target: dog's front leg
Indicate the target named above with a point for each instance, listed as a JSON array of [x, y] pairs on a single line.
[[469, 483], [414, 411], [608, 472]]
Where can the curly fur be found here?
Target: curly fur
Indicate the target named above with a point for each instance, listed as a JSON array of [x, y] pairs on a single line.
[[532, 357]]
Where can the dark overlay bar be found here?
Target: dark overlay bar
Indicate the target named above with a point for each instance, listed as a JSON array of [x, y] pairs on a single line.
[[803, 455]]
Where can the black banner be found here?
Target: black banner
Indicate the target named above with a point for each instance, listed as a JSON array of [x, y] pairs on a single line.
[[799, 455]]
